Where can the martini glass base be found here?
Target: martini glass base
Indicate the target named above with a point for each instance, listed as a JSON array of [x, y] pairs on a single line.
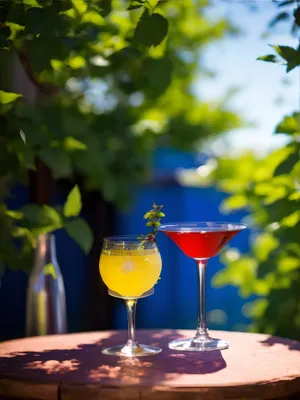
[[208, 344], [140, 350]]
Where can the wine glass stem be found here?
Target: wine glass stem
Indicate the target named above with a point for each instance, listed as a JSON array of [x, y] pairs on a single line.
[[131, 307], [201, 329]]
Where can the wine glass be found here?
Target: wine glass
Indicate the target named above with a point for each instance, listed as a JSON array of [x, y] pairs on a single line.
[[201, 241], [130, 267]]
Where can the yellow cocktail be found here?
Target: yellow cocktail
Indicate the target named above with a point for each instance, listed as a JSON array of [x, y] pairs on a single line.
[[130, 273], [130, 267]]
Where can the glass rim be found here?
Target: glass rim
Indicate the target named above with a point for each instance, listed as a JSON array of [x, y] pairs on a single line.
[[131, 239], [202, 226]]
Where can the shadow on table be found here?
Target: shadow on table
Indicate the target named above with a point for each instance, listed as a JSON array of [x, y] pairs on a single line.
[[87, 364], [272, 340]]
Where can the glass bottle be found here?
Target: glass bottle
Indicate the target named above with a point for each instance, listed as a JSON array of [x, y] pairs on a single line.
[[46, 300]]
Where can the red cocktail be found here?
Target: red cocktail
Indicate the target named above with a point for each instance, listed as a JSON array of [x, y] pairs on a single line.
[[201, 241]]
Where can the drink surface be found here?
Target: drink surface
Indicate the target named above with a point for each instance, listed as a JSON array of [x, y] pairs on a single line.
[[201, 244], [130, 273]]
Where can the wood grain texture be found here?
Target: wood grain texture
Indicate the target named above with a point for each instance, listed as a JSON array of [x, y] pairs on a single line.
[[254, 367], [96, 392], [29, 390]]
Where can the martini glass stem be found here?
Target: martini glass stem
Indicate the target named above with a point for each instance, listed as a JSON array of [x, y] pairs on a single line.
[[131, 307], [202, 333]]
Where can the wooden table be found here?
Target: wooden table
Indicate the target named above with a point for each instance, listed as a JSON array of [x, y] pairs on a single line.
[[72, 367]]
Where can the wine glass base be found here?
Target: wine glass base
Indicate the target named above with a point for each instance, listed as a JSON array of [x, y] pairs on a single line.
[[140, 350], [142, 296], [208, 344]]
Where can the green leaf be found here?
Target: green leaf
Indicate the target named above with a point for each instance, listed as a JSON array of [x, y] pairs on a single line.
[[49, 270], [283, 16], [15, 29], [294, 196], [293, 63], [297, 16], [77, 62], [234, 202], [7, 97], [79, 230], [291, 220], [291, 55], [264, 244], [293, 249], [105, 7], [271, 193], [81, 6], [285, 3], [285, 52], [157, 75], [93, 17], [134, 7], [239, 273], [42, 216], [46, 22], [32, 3], [268, 58], [285, 166], [288, 264], [72, 144], [58, 160], [73, 204], [20, 232], [151, 29], [296, 171], [153, 3], [290, 124], [255, 309], [40, 59], [14, 214], [267, 167], [135, 4]]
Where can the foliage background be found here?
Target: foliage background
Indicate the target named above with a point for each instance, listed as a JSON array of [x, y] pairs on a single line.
[[62, 128]]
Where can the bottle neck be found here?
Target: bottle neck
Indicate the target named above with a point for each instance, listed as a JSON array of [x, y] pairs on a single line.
[[45, 252]]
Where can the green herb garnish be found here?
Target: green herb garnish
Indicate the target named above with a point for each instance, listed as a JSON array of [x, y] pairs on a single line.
[[153, 218]]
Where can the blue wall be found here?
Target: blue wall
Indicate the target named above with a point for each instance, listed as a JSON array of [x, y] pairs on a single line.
[[174, 304]]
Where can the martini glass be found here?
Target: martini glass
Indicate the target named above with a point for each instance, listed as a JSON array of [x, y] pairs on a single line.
[[201, 241]]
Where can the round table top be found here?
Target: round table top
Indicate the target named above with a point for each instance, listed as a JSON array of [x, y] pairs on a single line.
[[73, 367]]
